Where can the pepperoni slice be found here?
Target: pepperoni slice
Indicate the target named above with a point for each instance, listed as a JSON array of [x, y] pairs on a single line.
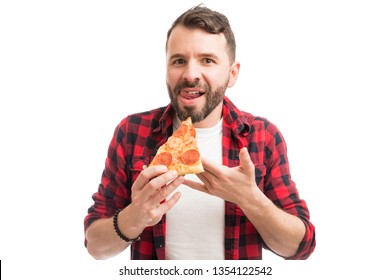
[[190, 157], [181, 131], [165, 158]]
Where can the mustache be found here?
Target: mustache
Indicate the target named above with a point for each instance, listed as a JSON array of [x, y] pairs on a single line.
[[186, 84]]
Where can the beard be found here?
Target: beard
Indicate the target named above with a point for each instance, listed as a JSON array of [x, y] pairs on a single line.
[[213, 99]]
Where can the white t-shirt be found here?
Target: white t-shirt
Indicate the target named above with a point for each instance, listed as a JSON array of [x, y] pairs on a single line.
[[195, 227]]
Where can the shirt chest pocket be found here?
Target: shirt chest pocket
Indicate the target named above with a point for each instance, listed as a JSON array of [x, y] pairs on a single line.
[[260, 172], [135, 167]]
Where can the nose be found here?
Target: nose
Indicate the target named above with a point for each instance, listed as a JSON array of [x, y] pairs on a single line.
[[192, 72]]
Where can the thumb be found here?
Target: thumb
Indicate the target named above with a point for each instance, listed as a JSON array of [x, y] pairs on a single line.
[[245, 159]]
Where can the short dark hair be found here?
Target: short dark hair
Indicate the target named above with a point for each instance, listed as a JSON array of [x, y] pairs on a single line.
[[210, 21]]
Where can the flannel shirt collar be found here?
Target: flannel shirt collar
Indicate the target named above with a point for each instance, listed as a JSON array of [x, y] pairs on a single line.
[[235, 119], [166, 120]]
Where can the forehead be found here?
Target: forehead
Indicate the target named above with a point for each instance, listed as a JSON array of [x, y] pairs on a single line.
[[184, 40]]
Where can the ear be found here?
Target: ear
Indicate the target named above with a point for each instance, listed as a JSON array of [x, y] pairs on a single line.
[[234, 71]]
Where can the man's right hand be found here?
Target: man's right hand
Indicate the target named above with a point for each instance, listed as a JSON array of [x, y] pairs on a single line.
[[149, 204], [149, 195]]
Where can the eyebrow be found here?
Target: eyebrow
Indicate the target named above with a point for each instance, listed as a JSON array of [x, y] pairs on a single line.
[[211, 55], [179, 55], [175, 56]]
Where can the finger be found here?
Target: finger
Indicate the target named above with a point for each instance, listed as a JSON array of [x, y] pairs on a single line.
[[164, 192], [147, 174], [196, 185], [206, 179], [245, 159], [167, 205], [156, 184], [211, 167]]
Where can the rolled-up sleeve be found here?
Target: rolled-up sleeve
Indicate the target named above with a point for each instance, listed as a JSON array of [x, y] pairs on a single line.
[[281, 189], [112, 193]]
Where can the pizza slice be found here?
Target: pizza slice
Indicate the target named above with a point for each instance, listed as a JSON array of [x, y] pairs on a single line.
[[180, 152]]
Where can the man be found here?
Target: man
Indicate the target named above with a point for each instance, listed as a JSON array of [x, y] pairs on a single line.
[[244, 201]]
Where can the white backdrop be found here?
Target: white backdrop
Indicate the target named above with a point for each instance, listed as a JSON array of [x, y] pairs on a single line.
[[71, 70]]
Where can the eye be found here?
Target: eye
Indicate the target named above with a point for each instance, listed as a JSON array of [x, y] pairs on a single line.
[[208, 60], [179, 61]]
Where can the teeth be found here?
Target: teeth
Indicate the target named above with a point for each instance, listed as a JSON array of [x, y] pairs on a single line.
[[193, 92]]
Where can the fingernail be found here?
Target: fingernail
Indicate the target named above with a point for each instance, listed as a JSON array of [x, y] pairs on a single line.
[[181, 179], [163, 168]]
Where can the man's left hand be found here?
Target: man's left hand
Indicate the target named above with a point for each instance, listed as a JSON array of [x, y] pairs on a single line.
[[234, 184]]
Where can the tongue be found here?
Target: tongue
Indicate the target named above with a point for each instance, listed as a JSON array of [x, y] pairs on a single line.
[[187, 95]]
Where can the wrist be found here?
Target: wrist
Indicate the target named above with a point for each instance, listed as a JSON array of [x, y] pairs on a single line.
[[255, 201], [125, 232]]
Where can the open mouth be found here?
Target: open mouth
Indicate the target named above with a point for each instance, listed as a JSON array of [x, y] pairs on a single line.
[[190, 94]]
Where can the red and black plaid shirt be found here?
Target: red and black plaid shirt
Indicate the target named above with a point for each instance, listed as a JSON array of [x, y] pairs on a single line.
[[135, 142]]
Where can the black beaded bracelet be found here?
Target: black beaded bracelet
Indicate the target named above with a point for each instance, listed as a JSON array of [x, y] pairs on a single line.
[[117, 230]]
